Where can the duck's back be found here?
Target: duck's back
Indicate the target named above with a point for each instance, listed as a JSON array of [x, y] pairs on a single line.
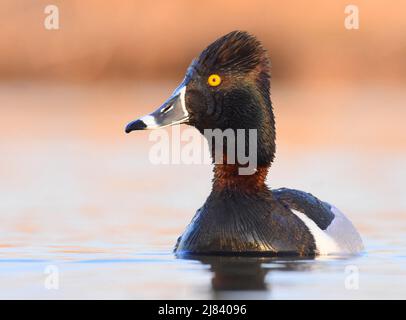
[[332, 231]]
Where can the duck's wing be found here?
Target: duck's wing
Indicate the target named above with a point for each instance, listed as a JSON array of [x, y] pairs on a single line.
[[333, 232]]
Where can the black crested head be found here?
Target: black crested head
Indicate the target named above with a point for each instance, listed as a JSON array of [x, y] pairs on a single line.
[[237, 51], [241, 99], [238, 54], [240, 60]]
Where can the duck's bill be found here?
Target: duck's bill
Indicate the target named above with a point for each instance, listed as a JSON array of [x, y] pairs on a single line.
[[173, 111]]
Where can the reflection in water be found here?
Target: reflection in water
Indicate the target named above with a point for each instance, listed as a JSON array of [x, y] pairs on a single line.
[[231, 275]]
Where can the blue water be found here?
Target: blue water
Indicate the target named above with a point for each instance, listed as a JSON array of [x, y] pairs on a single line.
[[159, 275]]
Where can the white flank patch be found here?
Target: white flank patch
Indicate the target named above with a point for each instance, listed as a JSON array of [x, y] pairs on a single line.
[[149, 121], [344, 232], [324, 243]]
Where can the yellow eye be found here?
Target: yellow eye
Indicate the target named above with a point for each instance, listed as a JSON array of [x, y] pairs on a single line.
[[214, 80]]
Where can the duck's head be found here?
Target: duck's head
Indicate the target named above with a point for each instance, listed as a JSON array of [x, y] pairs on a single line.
[[226, 87]]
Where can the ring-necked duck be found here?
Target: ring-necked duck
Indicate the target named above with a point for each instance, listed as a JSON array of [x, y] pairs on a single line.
[[227, 87]]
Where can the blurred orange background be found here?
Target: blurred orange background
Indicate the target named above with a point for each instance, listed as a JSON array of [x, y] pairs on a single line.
[[351, 82], [157, 39]]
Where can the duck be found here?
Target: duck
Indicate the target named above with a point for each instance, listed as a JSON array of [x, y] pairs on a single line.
[[227, 87]]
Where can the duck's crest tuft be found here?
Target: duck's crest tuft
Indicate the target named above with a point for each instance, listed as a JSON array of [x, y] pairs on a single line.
[[237, 51]]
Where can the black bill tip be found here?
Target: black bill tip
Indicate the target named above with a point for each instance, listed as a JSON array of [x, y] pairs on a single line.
[[135, 125]]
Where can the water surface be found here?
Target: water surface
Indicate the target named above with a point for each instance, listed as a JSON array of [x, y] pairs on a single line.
[[78, 194]]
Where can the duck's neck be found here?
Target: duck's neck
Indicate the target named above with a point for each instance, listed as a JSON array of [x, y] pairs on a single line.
[[227, 177], [251, 111], [235, 176]]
